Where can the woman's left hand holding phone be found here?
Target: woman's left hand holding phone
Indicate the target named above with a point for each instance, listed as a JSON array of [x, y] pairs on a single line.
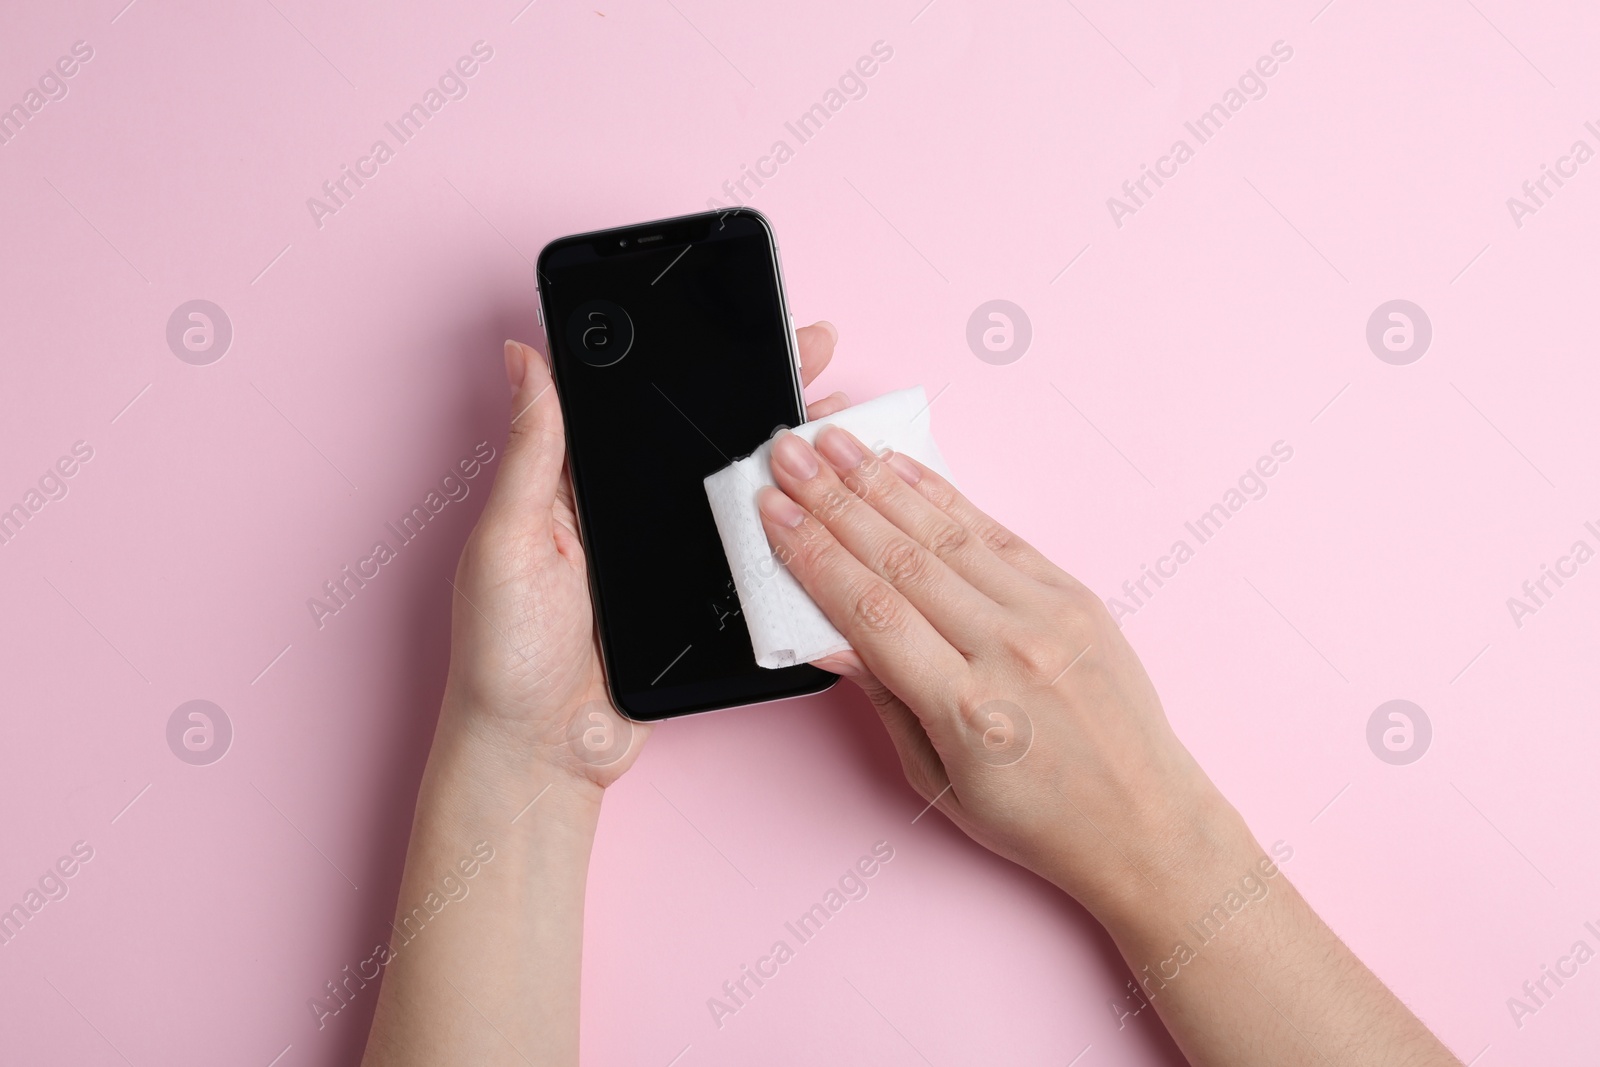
[[526, 743]]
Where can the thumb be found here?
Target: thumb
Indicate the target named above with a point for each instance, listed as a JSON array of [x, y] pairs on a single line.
[[525, 485], [919, 760]]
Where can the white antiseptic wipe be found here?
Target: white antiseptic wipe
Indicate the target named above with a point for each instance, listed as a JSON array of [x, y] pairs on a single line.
[[786, 626]]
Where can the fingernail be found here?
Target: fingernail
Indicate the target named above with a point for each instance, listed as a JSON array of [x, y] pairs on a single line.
[[904, 468], [841, 451], [833, 330], [516, 365], [779, 508], [794, 456], [840, 665]]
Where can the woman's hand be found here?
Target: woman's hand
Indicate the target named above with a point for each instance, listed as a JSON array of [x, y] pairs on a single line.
[[525, 664], [1018, 708], [525, 721], [1009, 692]]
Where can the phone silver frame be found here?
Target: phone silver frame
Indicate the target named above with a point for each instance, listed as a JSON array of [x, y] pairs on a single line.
[[793, 338]]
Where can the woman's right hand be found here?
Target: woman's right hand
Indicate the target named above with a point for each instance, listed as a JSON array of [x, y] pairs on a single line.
[[1014, 701]]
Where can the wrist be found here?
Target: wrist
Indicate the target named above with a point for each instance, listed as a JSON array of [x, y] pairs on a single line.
[[1188, 857], [496, 768]]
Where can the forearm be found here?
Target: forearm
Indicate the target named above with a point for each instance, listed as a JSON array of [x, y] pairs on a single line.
[[492, 976], [1241, 969]]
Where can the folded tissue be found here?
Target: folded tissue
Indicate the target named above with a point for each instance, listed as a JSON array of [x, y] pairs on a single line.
[[786, 626]]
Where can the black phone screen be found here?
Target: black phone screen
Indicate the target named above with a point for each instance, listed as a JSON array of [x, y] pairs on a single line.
[[670, 345]]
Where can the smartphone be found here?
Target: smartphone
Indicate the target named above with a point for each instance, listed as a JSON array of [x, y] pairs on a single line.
[[673, 354]]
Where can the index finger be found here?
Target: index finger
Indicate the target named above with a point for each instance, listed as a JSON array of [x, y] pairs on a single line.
[[895, 642], [999, 540]]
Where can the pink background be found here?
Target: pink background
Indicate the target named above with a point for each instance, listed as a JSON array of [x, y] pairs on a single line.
[[1224, 316]]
